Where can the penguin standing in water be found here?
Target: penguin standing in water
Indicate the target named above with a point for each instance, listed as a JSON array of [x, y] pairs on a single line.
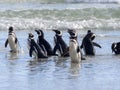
[[88, 44], [34, 47], [44, 44], [116, 47], [60, 44], [12, 40], [73, 34], [74, 49]]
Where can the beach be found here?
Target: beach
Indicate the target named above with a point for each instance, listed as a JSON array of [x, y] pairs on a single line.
[[22, 72]]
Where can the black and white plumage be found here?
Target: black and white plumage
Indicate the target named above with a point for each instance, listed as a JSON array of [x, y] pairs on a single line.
[[43, 43], [74, 49], [34, 48], [12, 40], [116, 47], [60, 44], [88, 44]]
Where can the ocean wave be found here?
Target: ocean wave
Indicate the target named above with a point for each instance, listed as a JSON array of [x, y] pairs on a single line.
[[84, 18], [31, 24], [66, 14], [59, 1], [93, 1]]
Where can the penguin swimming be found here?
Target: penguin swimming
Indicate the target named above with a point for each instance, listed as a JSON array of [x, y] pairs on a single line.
[[116, 47], [43, 43], [34, 47], [88, 44], [74, 49], [60, 44], [12, 40]]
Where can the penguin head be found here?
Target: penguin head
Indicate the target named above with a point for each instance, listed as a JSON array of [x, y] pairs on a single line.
[[58, 33], [89, 31], [38, 31], [93, 36], [113, 46], [30, 35], [73, 34], [10, 29]]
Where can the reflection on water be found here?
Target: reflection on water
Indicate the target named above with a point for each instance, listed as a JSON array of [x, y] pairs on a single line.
[[60, 61], [11, 55], [75, 69], [59, 73], [101, 72]]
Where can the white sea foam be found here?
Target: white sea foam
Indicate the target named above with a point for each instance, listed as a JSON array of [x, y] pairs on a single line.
[[59, 15], [31, 24]]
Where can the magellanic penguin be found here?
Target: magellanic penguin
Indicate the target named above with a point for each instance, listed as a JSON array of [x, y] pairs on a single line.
[[12, 40], [88, 44], [60, 44], [74, 49], [34, 48], [116, 47], [44, 44]]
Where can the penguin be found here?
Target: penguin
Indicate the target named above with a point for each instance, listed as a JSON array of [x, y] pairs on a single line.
[[116, 47], [34, 47], [43, 43], [88, 44], [74, 49], [73, 33], [60, 44], [12, 40]]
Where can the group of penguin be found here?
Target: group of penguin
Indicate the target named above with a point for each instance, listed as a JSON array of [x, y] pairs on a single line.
[[42, 48]]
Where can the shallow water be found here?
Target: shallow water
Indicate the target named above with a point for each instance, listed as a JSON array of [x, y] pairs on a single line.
[[101, 72], [21, 72]]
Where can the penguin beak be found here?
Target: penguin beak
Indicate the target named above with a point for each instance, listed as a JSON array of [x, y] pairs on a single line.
[[59, 33], [36, 31], [55, 30]]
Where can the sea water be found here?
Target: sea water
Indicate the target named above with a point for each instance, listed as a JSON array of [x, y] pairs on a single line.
[[22, 72]]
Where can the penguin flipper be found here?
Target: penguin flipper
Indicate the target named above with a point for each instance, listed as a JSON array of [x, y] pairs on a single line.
[[81, 46], [78, 49], [16, 40], [44, 50], [96, 44], [6, 43], [30, 51], [57, 46]]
